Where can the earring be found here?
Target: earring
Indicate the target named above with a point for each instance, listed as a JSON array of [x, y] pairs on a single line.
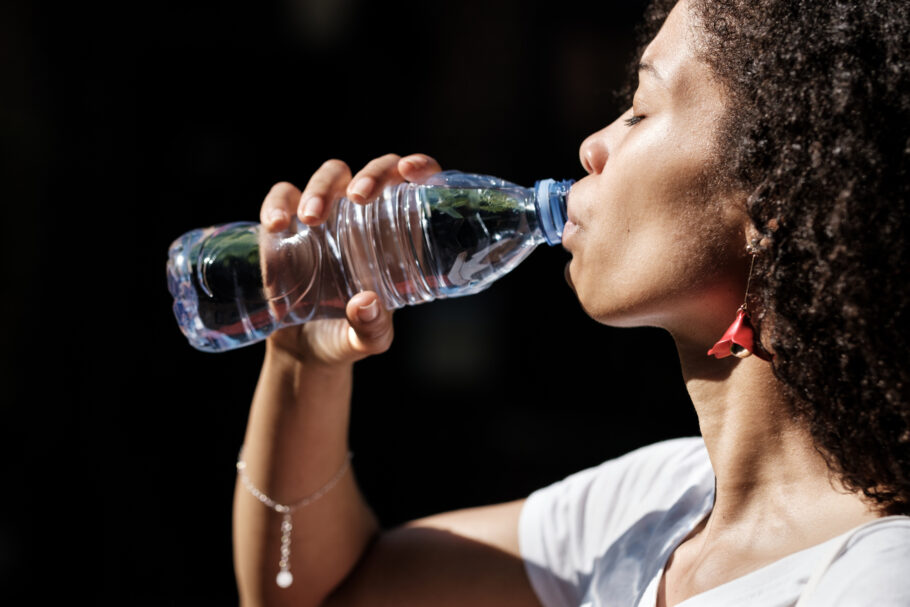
[[739, 338]]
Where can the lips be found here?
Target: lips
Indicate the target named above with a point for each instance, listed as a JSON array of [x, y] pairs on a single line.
[[570, 215], [572, 225]]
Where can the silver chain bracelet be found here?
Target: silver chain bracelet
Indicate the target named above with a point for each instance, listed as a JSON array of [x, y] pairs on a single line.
[[284, 577]]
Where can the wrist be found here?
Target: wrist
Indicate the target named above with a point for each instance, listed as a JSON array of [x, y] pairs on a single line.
[[295, 382], [280, 355]]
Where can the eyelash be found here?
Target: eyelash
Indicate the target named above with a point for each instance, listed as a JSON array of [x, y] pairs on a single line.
[[632, 121]]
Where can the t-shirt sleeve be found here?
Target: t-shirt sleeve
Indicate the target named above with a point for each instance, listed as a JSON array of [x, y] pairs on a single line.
[[565, 526], [874, 571]]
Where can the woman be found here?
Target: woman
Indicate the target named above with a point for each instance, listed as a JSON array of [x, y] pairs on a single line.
[[763, 159]]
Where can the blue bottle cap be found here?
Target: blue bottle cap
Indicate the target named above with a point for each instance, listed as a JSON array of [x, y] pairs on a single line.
[[550, 199]]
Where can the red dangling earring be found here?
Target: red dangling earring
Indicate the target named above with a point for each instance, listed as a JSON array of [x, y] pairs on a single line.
[[739, 338]]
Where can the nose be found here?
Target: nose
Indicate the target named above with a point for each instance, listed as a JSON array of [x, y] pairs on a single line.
[[593, 152]]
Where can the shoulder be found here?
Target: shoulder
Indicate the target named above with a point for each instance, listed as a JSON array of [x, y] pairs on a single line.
[[569, 529], [874, 569], [603, 501], [655, 473]]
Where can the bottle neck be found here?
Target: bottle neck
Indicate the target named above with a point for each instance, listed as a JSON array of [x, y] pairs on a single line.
[[550, 202]]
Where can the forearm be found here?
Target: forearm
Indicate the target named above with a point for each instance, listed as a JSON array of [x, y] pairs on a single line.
[[296, 441]]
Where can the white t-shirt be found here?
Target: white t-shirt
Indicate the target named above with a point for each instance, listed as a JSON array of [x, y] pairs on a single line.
[[601, 537]]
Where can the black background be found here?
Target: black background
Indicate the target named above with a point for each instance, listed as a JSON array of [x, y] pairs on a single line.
[[126, 124]]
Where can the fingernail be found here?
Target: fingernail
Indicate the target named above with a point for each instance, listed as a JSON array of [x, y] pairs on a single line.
[[277, 215], [369, 312], [363, 186], [312, 208]]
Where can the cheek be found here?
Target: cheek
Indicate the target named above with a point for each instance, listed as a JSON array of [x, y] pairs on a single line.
[[654, 235], [647, 205]]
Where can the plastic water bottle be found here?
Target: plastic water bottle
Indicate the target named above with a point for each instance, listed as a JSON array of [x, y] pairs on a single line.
[[235, 284]]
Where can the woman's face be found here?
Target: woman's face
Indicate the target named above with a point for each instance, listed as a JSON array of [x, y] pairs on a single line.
[[650, 243]]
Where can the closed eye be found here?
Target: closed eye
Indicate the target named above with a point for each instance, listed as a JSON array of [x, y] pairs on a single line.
[[633, 120]]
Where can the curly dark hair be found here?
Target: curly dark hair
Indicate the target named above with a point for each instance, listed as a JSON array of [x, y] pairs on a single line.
[[816, 133]]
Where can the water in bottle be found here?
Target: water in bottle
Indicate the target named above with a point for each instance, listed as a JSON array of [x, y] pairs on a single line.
[[235, 284]]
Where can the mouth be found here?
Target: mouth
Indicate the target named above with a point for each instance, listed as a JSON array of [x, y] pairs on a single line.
[[570, 215], [571, 227]]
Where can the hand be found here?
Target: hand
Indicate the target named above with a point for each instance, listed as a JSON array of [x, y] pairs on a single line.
[[367, 329]]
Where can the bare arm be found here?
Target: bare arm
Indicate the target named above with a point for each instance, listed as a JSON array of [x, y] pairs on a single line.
[[467, 557], [296, 440]]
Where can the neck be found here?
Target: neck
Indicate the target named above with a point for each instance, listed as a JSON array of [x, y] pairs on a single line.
[[766, 465]]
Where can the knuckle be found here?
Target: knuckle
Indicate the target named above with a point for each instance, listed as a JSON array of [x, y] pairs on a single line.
[[327, 177], [335, 166], [382, 341], [420, 162], [282, 188], [380, 166], [389, 163], [385, 344]]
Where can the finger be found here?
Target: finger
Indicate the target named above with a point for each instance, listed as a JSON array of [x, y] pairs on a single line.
[[325, 186], [418, 167], [371, 329], [369, 181], [279, 206]]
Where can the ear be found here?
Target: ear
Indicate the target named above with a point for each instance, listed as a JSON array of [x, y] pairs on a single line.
[[758, 239], [753, 236], [734, 206]]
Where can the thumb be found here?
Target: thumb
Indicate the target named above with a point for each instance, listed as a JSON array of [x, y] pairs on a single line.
[[371, 325]]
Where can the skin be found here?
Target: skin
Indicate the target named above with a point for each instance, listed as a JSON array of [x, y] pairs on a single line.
[[652, 244]]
